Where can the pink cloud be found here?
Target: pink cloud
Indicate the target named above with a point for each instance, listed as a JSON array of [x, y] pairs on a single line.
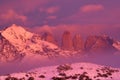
[[108, 16], [83, 30], [12, 15], [44, 28], [50, 10], [91, 8]]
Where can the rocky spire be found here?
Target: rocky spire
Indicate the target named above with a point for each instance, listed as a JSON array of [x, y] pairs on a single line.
[[48, 37], [99, 44], [25, 41], [91, 40], [78, 42], [16, 34], [67, 41]]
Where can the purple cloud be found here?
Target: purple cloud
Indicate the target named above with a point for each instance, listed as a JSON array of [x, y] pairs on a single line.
[[12, 15], [84, 30]]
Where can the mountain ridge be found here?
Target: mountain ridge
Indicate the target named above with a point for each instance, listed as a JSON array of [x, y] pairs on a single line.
[[28, 43]]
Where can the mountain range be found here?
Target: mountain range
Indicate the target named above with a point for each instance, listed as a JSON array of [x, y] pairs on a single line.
[[17, 43], [25, 47]]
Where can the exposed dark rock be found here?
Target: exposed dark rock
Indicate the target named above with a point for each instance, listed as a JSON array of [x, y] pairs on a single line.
[[7, 51], [48, 37], [11, 78], [41, 76], [58, 78], [31, 78], [65, 67]]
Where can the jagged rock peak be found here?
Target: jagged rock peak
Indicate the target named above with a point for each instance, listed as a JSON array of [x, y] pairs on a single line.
[[67, 43], [99, 44], [7, 51], [109, 39], [48, 37], [26, 41], [16, 33], [78, 42]]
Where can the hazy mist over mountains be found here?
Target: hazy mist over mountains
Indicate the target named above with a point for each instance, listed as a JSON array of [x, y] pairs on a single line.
[[74, 37], [22, 50]]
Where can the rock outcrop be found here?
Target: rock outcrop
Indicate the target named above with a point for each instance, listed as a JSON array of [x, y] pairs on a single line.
[[99, 44], [48, 37], [7, 51], [78, 42], [67, 43], [17, 43]]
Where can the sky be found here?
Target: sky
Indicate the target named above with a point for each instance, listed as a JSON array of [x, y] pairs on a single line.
[[87, 17]]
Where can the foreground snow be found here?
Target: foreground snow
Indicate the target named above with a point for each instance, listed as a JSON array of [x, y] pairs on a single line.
[[77, 71]]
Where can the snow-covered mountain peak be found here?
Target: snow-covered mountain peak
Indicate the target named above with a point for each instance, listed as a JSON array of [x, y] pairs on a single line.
[[17, 34], [25, 41]]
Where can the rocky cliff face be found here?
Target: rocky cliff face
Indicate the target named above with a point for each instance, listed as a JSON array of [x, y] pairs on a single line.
[[16, 42], [78, 42], [48, 37], [7, 51], [67, 43], [99, 44]]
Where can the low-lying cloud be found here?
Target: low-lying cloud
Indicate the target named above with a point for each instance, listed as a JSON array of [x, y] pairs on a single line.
[[84, 30], [12, 15]]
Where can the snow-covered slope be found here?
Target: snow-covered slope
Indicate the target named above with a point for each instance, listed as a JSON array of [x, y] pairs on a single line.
[[29, 45], [117, 45], [7, 51], [25, 41], [77, 71], [26, 44]]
